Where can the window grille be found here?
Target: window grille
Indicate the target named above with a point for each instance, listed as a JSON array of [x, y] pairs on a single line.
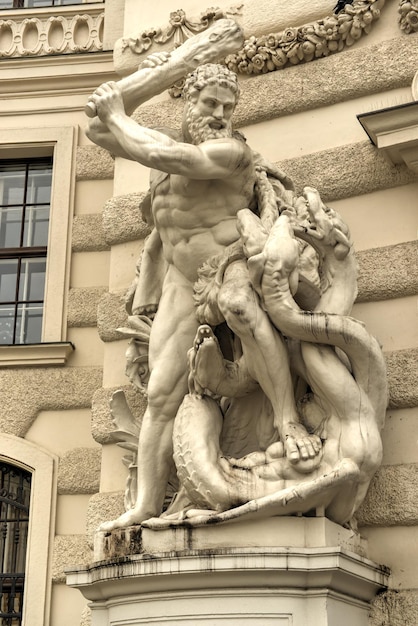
[[25, 193], [15, 485], [34, 4]]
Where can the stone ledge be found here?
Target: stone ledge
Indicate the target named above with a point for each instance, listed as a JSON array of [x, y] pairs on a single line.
[[28, 391], [82, 306], [88, 235], [392, 499], [79, 471], [94, 163]]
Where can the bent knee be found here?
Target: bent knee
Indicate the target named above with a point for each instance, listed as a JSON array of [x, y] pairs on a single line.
[[239, 306]]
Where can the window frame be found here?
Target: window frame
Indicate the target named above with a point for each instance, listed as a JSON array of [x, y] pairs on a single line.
[[60, 144], [39, 553]]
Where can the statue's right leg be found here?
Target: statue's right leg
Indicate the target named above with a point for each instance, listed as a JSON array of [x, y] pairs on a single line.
[[172, 335]]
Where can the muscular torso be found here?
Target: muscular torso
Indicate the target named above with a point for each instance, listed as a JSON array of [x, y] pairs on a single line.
[[196, 219]]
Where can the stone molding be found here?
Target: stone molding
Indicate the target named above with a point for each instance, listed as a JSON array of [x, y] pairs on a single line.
[[36, 354], [49, 33]]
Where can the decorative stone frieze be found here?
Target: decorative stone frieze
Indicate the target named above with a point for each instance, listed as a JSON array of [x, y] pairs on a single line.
[[22, 36], [408, 19], [292, 46], [392, 499]]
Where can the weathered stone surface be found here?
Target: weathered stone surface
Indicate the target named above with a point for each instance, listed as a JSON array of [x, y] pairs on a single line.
[[389, 272], [395, 608], [102, 424], [79, 471], [122, 219], [336, 173], [36, 389], [94, 163], [392, 499], [103, 507], [303, 87], [82, 306], [69, 550], [88, 233], [111, 314], [402, 367]]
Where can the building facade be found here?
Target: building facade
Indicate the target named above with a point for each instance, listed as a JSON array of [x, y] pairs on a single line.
[[333, 103]]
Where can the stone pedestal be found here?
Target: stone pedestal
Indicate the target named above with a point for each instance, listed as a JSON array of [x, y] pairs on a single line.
[[231, 574]]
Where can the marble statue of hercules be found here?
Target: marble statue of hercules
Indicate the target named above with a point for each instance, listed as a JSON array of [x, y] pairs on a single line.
[[209, 177]]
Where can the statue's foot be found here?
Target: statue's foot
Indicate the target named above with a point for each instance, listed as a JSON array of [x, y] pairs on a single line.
[[304, 451], [206, 360], [133, 517]]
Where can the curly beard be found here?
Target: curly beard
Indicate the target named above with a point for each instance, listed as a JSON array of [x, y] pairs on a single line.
[[200, 130]]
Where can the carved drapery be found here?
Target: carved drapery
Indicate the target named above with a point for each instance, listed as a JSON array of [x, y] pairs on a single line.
[[47, 34]]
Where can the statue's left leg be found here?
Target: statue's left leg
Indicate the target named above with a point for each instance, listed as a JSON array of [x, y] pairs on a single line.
[[267, 359]]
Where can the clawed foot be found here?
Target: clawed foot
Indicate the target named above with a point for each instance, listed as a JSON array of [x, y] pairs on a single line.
[[303, 450], [206, 362]]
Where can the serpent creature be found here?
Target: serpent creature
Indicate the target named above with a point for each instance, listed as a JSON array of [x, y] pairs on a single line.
[[341, 367]]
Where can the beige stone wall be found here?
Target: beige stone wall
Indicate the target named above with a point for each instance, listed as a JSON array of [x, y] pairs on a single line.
[[304, 119]]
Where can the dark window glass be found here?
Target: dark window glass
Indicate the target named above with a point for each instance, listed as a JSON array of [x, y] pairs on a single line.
[[33, 4], [25, 190]]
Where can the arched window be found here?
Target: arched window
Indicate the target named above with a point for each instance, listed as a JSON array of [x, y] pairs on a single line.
[[15, 489]]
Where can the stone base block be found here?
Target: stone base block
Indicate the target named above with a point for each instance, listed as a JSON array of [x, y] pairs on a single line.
[[231, 575]]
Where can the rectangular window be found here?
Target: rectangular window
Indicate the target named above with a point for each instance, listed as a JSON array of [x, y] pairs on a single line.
[[33, 4], [25, 194]]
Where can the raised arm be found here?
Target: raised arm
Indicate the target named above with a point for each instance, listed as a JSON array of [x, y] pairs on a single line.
[[217, 159]]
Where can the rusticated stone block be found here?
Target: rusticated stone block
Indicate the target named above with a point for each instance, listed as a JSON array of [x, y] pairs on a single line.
[[402, 368], [88, 235], [389, 272], [102, 424], [69, 550], [395, 608], [392, 499], [82, 306], [25, 392], [111, 314], [94, 163], [122, 220], [103, 507], [336, 173], [79, 471]]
